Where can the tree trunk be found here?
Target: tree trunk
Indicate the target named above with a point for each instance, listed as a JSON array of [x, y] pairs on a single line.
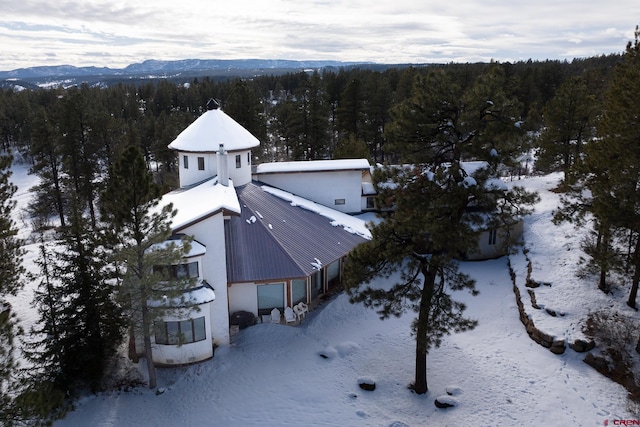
[[636, 277], [631, 302], [148, 352], [420, 382], [420, 385], [602, 249]]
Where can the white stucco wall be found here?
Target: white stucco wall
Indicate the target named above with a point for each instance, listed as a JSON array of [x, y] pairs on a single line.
[[243, 297], [322, 187], [186, 353], [192, 175], [241, 175], [210, 232]]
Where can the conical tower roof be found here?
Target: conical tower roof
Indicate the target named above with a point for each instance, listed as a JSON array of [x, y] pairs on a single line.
[[211, 129]]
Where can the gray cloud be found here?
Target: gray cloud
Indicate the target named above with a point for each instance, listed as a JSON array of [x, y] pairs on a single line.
[[114, 33]]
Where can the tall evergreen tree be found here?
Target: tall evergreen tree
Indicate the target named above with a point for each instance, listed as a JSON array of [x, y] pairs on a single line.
[[80, 323], [10, 283], [607, 180], [438, 209], [568, 123], [614, 159], [82, 155], [47, 164], [130, 204], [245, 106], [43, 394]]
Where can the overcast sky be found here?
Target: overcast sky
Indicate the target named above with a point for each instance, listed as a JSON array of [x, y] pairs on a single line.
[[115, 33]]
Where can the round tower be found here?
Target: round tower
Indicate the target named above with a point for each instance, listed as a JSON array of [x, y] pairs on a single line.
[[213, 140]]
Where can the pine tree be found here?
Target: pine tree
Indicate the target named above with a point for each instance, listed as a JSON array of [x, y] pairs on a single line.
[[438, 210], [614, 158], [80, 325], [47, 164], [130, 204], [10, 283], [80, 149], [43, 394], [567, 126], [351, 148]]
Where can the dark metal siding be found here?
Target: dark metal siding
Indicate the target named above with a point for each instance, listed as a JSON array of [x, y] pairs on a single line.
[[283, 241]]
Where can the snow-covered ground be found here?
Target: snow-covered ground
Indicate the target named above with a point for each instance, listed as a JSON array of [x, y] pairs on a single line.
[[273, 375]]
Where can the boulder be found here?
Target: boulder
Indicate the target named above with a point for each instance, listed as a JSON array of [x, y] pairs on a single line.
[[557, 347], [445, 401], [367, 383], [582, 346]]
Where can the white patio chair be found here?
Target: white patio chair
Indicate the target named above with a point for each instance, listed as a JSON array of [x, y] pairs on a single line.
[[289, 315], [297, 311], [304, 309], [275, 316]]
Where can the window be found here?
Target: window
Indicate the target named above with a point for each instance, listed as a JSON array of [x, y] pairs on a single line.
[[298, 291], [185, 160], [339, 202], [317, 284], [182, 332], [371, 202], [333, 274], [238, 161], [493, 236], [270, 296], [200, 163], [248, 158], [180, 271]]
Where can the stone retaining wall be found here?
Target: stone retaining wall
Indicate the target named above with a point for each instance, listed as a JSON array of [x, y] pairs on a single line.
[[556, 346]]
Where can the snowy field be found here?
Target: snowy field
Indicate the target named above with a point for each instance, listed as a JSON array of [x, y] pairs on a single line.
[[273, 375]]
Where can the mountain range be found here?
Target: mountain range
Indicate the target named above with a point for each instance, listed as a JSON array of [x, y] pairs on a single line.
[[68, 75]]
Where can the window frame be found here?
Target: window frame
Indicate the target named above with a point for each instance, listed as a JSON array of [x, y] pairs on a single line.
[[171, 332], [185, 161], [280, 304], [238, 161], [185, 270], [298, 285]]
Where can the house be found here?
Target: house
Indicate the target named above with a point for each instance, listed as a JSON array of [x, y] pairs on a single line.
[[263, 238]]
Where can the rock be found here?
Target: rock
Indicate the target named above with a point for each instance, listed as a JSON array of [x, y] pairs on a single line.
[[367, 383], [582, 346], [445, 401], [557, 347]]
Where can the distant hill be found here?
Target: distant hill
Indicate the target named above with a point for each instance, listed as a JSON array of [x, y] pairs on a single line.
[[68, 75]]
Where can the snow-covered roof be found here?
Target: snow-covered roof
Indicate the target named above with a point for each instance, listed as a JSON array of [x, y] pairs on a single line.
[[203, 200], [196, 248], [313, 166], [350, 223], [201, 294], [211, 129]]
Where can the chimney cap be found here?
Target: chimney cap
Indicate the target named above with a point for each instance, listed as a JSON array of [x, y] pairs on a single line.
[[212, 104]]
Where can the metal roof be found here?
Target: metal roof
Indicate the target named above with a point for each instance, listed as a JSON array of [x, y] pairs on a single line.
[[274, 240]]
